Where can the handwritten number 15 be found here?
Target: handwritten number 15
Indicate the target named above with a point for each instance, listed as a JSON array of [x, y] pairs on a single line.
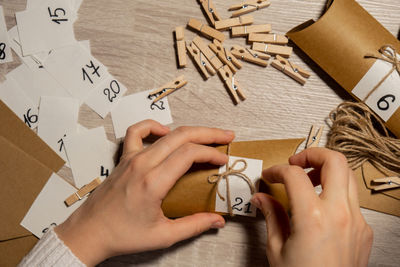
[[56, 14]]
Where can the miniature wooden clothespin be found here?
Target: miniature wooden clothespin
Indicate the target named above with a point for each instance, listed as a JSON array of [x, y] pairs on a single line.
[[314, 137], [168, 88], [248, 6], [290, 69], [225, 56], [210, 11], [284, 51], [251, 56], [233, 86], [206, 30], [180, 46], [386, 183], [271, 38], [215, 62], [246, 30], [201, 61], [229, 23], [81, 193]]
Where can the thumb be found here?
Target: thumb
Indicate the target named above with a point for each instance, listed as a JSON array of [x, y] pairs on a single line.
[[277, 220], [193, 225]]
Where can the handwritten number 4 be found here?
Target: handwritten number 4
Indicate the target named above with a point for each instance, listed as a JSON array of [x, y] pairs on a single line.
[[56, 14], [114, 88]]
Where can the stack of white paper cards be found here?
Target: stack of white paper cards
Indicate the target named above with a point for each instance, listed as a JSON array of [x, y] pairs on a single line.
[[5, 51]]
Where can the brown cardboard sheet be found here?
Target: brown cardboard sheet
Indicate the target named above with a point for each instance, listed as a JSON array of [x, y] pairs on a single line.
[[192, 193], [14, 130], [338, 42]]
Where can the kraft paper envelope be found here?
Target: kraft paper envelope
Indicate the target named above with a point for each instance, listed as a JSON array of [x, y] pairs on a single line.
[[14, 130], [338, 42], [386, 201], [192, 193], [21, 178]]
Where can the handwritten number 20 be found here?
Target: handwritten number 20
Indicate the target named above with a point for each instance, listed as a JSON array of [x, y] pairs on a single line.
[[383, 104], [114, 88]]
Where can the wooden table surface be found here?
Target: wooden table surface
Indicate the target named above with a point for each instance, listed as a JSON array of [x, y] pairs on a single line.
[[134, 39]]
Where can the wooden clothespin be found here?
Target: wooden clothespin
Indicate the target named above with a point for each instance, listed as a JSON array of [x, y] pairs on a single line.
[[206, 30], [201, 61], [228, 23], [81, 193], [225, 56], [271, 38], [290, 69], [386, 183], [180, 46], [249, 55], [284, 51], [215, 62], [314, 137], [210, 10], [239, 31], [233, 86], [168, 88], [248, 6]]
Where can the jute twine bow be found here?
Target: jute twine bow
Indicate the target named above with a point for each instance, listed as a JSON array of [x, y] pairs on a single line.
[[361, 136], [387, 53], [230, 170]]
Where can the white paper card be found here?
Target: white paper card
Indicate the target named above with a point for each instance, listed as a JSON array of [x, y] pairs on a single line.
[[5, 48], [15, 98], [49, 207], [89, 155], [76, 70], [239, 188], [137, 107], [106, 96], [58, 119], [386, 98], [47, 26]]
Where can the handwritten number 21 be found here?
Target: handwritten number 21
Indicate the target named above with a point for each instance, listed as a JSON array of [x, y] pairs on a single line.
[[114, 89]]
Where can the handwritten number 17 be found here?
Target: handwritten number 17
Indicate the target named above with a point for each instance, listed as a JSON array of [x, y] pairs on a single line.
[[56, 14]]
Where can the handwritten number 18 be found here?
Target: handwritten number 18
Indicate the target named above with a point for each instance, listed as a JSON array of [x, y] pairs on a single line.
[[56, 14], [114, 89]]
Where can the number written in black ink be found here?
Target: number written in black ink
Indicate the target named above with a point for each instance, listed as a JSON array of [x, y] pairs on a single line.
[[57, 14], [47, 228], [61, 143], [248, 206], [383, 104], [29, 119], [159, 104], [114, 88], [238, 202], [2, 49], [95, 71], [104, 171]]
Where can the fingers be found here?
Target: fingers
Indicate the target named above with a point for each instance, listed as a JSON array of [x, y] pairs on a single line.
[[177, 164], [333, 169], [133, 140], [278, 226], [298, 186], [161, 149]]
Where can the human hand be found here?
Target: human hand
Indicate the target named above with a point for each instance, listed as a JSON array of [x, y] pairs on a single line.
[[324, 230], [123, 215]]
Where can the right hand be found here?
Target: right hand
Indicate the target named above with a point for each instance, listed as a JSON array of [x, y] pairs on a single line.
[[324, 230]]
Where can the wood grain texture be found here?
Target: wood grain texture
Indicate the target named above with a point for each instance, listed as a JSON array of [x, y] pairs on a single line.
[[134, 39]]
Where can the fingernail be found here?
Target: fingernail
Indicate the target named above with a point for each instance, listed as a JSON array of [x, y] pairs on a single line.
[[256, 202], [217, 225], [229, 132]]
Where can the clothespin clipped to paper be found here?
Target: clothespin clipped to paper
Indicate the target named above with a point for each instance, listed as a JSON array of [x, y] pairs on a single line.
[[225, 56], [314, 137], [271, 38], [284, 51], [168, 88], [201, 61], [233, 86], [215, 62], [81, 193], [210, 10], [229, 23], [293, 71], [386, 183], [251, 56], [180, 46], [206, 30], [248, 6], [240, 31]]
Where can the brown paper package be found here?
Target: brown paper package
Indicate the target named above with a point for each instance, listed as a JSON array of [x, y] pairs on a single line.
[[338, 42], [192, 193]]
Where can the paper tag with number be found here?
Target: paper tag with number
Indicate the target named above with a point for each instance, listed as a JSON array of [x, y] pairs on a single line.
[[240, 192], [5, 48]]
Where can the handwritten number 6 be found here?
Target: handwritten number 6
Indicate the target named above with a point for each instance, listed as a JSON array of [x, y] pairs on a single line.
[[383, 104], [114, 88]]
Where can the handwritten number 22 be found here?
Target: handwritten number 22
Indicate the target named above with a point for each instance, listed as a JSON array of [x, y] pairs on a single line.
[[114, 89]]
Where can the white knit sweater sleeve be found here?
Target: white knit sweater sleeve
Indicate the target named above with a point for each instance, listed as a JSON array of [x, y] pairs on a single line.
[[50, 251]]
